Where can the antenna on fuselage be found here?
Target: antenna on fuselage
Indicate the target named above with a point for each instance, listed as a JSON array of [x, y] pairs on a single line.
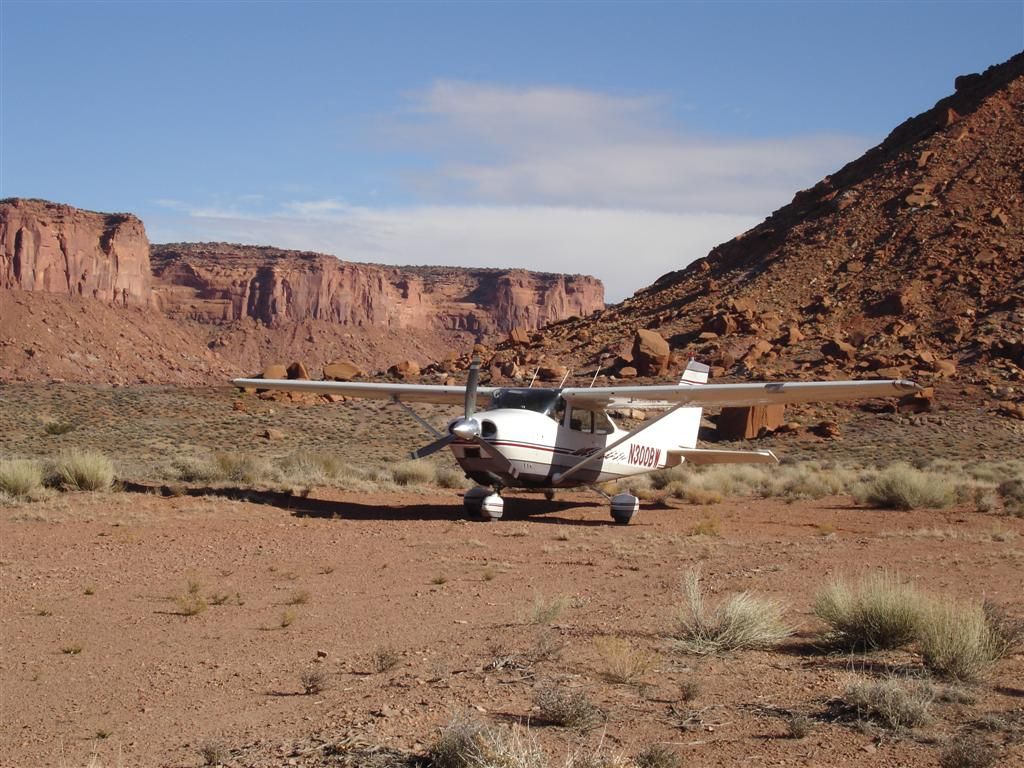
[[562, 382], [535, 372], [600, 365]]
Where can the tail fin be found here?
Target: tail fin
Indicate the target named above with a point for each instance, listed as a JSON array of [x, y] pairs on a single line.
[[681, 428], [695, 373]]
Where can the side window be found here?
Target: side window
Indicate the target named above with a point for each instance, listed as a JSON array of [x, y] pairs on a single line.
[[602, 424], [581, 420]]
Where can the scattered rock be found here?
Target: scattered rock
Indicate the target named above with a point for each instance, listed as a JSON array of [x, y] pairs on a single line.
[[748, 423], [405, 370], [341, 370]]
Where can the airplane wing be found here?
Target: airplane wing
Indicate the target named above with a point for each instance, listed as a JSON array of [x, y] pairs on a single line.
[[760, 393], [408, 393]]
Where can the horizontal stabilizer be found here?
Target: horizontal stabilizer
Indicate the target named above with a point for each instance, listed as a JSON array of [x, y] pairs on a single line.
[[710, 456]]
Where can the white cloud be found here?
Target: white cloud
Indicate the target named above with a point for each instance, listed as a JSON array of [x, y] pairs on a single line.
[[564, 146], [625, 249]]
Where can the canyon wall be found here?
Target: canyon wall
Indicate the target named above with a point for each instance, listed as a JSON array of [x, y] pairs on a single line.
[[59, 249], [220, 283]]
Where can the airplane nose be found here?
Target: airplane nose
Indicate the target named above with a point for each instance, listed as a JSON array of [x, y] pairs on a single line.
[[466, 429]]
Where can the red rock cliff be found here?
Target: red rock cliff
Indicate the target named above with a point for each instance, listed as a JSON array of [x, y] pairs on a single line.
[[59, 249], [218, 282]]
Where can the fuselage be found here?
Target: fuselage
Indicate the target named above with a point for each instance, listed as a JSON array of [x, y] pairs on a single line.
[[541, 437]]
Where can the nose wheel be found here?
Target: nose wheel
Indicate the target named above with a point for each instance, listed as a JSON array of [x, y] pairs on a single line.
[[483, 503]]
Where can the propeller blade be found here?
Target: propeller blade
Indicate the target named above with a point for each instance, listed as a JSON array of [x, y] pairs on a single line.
[[471, 385], [433, 447]]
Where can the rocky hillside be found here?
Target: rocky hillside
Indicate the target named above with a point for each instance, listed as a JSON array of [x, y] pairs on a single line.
[[907, 261], [221, 283], [59, 249]]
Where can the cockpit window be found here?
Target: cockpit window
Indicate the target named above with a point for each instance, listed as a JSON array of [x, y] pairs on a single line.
[[546, 401], [596, 422]]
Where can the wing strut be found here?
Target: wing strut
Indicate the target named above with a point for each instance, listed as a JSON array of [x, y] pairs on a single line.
[[558, 478]]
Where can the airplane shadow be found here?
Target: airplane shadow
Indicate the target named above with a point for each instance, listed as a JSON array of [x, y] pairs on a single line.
[[517, 507]]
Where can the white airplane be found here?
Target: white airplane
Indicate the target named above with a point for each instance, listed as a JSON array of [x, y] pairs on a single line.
[[552, 438]]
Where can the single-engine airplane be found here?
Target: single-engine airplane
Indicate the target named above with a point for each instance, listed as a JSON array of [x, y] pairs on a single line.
[[551, 438]]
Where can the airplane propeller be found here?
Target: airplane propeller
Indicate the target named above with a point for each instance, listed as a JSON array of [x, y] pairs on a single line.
[[466, 428]]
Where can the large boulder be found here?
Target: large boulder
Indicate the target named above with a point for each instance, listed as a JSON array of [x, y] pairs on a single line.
[[297, 370], [405, 369], [651, 352], [748, 423], [341, 370], [275, 371]]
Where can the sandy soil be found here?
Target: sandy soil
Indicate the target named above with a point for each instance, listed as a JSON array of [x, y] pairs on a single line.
[[100, 663]]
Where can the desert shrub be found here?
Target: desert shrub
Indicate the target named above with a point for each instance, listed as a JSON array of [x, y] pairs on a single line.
[[413, 473], [191, 602], [384, 658], [21, 478], [1012, 493], [658, 756], [213, 752], [903, 487], [706, 527], [740, 621], [314, 680], [55, 428], [569, 709], [545, 611], [894, 703], [621, 662], [971, 752], [957, 641], [798, 726], [879, 611], [83, 471], [467, 743]]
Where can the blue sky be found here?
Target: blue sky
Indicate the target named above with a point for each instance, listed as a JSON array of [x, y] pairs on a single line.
[[622, 140]]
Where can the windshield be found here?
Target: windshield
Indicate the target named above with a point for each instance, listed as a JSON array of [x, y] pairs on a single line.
[[546, 401]]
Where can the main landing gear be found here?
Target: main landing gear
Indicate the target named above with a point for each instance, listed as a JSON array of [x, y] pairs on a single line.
[[487, 504], [484, 503], [623, 505]]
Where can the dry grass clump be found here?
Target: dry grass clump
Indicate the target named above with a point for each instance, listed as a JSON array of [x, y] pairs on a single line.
[[622, 662], [894, 703], [191, 602], [384, 658], [971, 752], [658, 756], [566, 708], [214, 752], [83, 470], [21, 479], [740, 621], [879, 611], [1012, 493], [413, 473], [903, 487], [546, 610], [960, 641], [807, 481], [226, 467], [467, 743]]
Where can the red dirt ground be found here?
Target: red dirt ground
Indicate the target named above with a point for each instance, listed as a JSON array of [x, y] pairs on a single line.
[[150, 685]]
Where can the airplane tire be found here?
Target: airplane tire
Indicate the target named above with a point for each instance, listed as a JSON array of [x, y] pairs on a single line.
[[492, 508], [624, 506], [473, 501]]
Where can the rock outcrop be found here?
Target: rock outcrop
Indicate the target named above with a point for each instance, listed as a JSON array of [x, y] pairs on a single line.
[[221, 283], [59, 249]]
